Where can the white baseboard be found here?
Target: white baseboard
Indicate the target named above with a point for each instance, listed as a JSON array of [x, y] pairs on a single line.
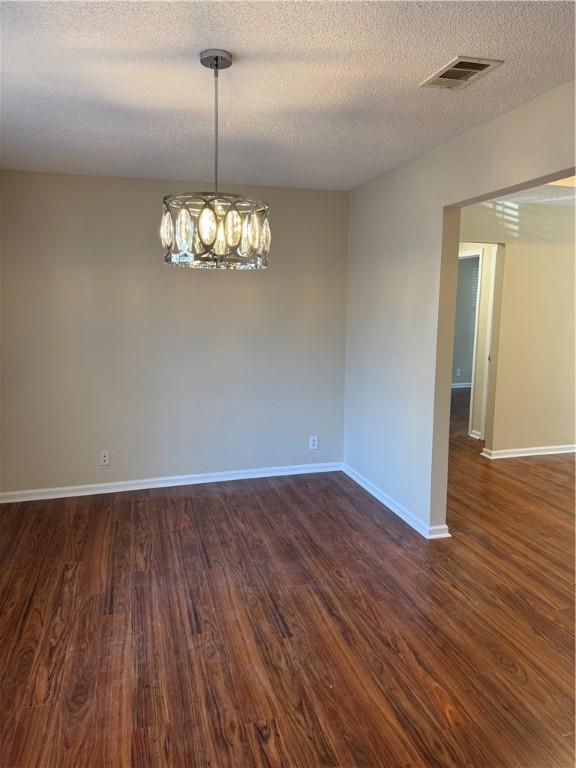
[[428, 531], [165, 482], [541, 450], [38, 494], [462, 385], [438, 532], [475, 434]]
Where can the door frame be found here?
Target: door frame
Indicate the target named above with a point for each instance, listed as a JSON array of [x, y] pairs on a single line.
[[473, 254], [489, 327], [480, 253]]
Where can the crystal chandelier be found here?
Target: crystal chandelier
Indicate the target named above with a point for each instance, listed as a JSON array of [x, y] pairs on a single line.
[[214, 230]]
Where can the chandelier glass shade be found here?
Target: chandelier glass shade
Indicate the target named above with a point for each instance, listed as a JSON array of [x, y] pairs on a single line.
[[215, 230]]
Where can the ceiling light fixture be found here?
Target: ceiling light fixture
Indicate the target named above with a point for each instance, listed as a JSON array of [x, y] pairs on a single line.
[[215, 230]]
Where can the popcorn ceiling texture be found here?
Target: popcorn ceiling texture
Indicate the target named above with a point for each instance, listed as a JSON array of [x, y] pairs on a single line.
[[322, 95], [548, 194]]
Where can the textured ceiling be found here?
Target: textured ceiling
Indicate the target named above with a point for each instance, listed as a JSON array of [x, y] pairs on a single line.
[[547, 194], [322, 94]]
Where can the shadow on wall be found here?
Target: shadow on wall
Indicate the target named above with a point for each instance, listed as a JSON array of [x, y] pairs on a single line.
[[516, 219]]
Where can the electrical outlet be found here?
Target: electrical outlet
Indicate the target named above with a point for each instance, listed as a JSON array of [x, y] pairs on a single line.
[[104, 459], [458, 371], [313, 443]]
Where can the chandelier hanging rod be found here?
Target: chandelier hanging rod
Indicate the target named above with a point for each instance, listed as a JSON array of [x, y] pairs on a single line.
[[216, 59], [215, 129]]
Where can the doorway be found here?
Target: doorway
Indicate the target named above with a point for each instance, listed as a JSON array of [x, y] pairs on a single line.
[[515, 319], [451, 237]]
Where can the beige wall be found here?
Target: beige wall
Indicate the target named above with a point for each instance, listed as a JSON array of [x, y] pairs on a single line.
[[105, 347], [174, 371], [534, 376], [402, 265]]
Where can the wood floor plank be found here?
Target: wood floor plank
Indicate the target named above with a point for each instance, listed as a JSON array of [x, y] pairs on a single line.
[[293, 622]]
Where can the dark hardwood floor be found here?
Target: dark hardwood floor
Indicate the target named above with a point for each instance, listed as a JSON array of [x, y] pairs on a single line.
[[292, 622]]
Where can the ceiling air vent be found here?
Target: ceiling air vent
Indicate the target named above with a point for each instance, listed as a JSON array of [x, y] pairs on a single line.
[[460, 72]]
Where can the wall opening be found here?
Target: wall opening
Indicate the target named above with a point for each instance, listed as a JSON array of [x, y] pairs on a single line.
[[452, 237]]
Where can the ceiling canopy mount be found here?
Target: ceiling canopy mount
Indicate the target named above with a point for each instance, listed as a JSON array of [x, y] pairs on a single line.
[[216, 58]]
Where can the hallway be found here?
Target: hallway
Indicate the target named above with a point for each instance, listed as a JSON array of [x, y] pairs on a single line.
[[520, 510], [530, 491]]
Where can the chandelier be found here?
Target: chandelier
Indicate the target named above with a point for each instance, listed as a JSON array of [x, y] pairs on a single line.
[[215, 230]]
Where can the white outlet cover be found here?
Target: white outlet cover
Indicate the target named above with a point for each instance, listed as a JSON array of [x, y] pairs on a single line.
[[313, 442]]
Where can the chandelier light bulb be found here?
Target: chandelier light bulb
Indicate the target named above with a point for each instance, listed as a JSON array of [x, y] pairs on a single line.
[[207, 226], [233, 226], [184, 231]]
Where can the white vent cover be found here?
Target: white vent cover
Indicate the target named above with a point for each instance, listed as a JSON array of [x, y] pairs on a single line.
[[460, 72]]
